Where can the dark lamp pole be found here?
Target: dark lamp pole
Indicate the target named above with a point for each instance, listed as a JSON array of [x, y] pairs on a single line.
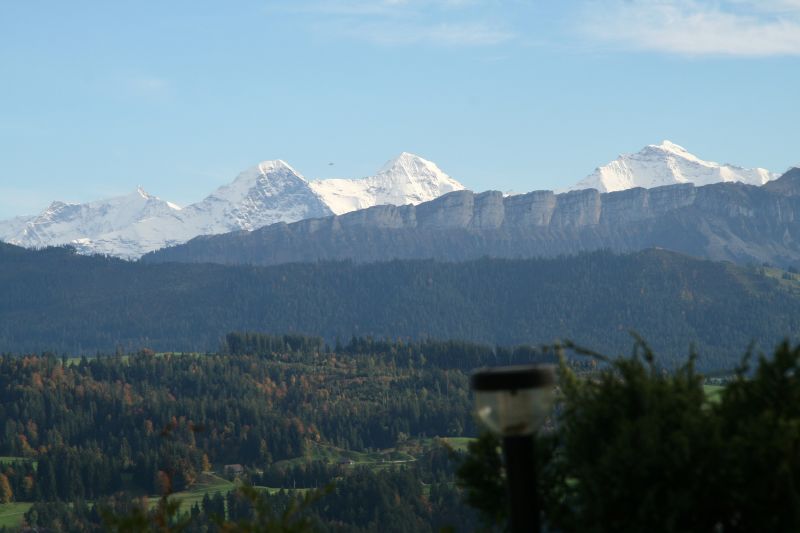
[[513, 402]]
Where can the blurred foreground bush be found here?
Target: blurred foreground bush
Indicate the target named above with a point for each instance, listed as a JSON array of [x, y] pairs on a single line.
[[636, 448]]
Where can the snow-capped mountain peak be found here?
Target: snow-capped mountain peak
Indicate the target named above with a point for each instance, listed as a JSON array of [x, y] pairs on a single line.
[[262, 172], [271, 165], [669, 146], [409, 164], [666, 164], [63, 222], [55, 206], [269, 192], [266, 178], [406, 179], [414, 168]]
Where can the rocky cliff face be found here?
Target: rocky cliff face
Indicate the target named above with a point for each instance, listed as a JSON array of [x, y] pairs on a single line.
[[723, 221]]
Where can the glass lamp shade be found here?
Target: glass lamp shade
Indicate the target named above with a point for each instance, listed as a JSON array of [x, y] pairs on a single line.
[[519, 412], [514, 400]]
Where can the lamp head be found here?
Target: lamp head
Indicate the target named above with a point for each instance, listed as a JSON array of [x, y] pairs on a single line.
[[514, 400]]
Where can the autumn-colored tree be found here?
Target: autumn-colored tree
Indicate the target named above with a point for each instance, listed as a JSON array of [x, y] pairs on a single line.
[[6, 494]]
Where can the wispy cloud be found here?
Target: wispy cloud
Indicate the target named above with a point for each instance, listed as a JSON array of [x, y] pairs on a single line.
[[691, 27], [406, 22]]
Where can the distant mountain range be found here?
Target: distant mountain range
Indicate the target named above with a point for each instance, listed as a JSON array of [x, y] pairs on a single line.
[[722, 221], [273, 192], [131, 225]]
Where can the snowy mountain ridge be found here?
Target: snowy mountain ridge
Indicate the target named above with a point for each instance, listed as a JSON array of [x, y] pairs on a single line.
[[61, 220], [131, 225], [666, 164]]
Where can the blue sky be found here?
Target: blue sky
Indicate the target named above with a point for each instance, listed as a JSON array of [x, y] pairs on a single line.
[[98, 97]]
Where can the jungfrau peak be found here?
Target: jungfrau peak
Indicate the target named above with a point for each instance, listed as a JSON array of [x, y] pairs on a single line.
[[666, 164]]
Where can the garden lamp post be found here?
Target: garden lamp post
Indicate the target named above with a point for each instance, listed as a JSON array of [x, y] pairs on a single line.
[[513, 402]]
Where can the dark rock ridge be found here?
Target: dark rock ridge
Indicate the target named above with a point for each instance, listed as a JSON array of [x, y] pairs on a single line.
[[722, 221]]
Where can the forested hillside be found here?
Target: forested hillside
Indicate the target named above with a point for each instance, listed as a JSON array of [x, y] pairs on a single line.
[[56, 300], [284, 411]]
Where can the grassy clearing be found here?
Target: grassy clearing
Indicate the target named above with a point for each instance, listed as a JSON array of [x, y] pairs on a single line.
[[11, 459], [786, 279], [208, 483], [713, 392], [459, 444], [211, 484], [333, 455], [404, 453], [12, 514]]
